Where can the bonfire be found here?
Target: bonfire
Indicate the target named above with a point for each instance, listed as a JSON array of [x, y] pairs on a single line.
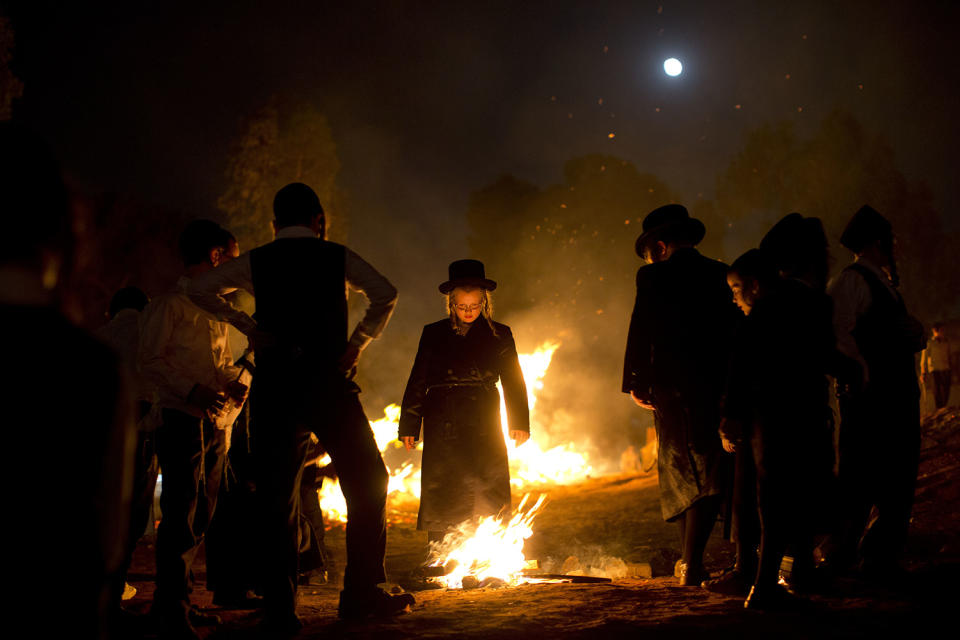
[[488, 550]]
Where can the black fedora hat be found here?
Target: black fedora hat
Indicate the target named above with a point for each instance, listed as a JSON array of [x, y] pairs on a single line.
[[866, 227], [672, 218], [467, 273]]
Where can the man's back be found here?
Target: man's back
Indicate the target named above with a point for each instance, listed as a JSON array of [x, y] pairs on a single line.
[[682, 324], [300, 290]]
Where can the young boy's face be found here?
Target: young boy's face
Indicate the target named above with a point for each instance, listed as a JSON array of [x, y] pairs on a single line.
[[744, 292]]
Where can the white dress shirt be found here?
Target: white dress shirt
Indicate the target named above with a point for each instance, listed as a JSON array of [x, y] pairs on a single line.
[[851, 299], [208, 289], [182, 345]]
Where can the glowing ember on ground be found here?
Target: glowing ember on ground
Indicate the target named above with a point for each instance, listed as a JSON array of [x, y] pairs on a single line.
[[486, 549]]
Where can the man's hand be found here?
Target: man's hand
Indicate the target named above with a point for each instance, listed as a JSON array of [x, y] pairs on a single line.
[[519, 436], [641, 402], [408, 442], [208, 400], [728, 445], [238, 391], [348, 361]]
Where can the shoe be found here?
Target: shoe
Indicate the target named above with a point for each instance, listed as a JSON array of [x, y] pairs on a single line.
[[245, 600], [732, 583], [375, 603], [774, 598], [690, 576], [200, 618]]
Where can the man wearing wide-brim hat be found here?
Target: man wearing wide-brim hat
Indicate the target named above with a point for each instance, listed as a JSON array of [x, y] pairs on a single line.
[[675, 366], [879, 443]]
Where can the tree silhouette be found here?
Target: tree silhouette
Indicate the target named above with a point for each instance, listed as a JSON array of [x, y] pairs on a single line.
[[830, 175], [277, 146]]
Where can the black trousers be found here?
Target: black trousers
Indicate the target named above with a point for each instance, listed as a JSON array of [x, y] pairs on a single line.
[[941, 388], [285, 409], [879, 450], [188, 499], [746, 520], [314, 555]]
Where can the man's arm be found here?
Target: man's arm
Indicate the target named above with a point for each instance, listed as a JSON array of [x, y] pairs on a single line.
[[382, 295], [208, 289], [851, 299], [637, 359]]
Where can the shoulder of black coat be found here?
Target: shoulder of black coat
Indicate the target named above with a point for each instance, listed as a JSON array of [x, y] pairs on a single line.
[[501, 329], [439, 325]]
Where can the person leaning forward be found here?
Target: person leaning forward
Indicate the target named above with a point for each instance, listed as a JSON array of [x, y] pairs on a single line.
[[305, 363], [675, 365]]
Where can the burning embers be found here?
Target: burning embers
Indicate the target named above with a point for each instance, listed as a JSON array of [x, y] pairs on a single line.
[[487, 551]]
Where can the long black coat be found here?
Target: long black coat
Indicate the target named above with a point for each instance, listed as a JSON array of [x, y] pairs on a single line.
[[452, 393], [676, 358], [778, 390]]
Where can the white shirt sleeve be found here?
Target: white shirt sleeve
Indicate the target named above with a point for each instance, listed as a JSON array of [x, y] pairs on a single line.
[[382, 295], [207, 291], [851, 299]]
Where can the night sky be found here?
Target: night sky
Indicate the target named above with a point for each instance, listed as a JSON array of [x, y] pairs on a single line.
[[430, 101]]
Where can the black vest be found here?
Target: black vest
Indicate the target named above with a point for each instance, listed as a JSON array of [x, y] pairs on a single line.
[[882, 338], [300, 290]]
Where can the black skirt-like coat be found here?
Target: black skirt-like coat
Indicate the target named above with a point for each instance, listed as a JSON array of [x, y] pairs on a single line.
[[452, 395], [676, 358]]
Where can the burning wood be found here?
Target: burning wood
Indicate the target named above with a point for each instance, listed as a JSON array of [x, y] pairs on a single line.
[[486, 549]]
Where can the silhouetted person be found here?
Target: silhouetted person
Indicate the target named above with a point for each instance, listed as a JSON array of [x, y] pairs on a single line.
[[122, 334], [185, 354], [452, 393], [305, 362], [879, 442], [675, 365], [798, 249], [935, 366], [777, 408], [66, 415]]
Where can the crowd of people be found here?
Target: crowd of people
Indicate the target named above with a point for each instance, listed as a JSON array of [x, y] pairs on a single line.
[[741, 400]]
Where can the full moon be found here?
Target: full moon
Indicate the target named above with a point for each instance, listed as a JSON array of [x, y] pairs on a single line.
[[672, 67]]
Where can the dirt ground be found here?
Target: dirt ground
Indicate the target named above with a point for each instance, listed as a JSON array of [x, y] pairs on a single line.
[[619, 517]]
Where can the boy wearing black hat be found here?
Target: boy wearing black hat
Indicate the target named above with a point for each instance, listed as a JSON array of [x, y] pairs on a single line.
[[305, 365], [880, 413], [675, 365]]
